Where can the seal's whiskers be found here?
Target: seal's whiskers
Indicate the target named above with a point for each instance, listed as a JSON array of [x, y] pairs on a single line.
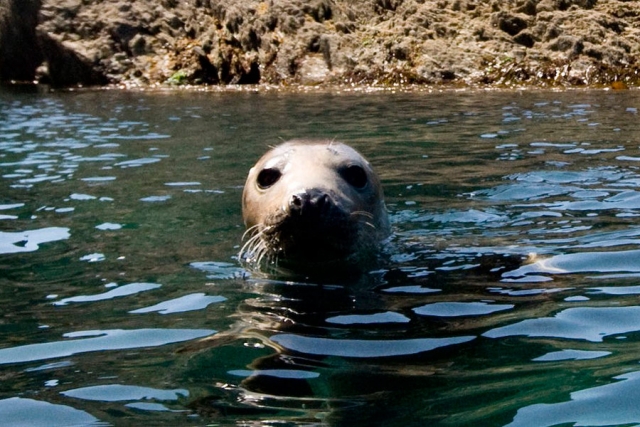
[[363, 216]]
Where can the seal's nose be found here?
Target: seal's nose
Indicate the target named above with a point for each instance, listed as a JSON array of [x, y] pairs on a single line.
[[309, 202]]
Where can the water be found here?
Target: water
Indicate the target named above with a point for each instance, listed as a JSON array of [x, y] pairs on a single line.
[[123, 302]]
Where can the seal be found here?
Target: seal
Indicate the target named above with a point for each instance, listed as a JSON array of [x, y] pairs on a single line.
[[309, 205]]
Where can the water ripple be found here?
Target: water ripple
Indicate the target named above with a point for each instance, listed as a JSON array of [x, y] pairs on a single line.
[[583, 323], [99, 340], [48, 137], [119, 392], [586, 262], [190, 302], [364, 348], [607, 405], [121, 291], [459, 309], [20, 411], [30, 240]]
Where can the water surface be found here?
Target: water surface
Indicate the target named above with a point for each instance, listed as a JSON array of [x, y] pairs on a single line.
[[508, 294]]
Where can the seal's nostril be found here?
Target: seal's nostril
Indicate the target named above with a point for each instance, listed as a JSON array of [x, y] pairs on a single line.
[[320, 201], [296, 201]]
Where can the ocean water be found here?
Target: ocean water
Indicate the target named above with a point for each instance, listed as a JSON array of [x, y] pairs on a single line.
[[508, 294]]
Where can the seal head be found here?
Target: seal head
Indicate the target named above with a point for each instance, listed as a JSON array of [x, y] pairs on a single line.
[[309, 205]]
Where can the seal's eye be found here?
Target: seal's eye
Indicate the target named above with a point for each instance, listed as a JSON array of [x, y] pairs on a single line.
[[268, 177], [355, 175]]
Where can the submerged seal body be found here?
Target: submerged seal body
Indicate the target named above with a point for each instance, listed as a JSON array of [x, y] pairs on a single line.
[[310, 205]]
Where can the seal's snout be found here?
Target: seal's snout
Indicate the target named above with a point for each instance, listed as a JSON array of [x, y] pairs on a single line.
[[309, 202]]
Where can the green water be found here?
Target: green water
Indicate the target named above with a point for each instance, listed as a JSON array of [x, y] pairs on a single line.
[[123, 302]]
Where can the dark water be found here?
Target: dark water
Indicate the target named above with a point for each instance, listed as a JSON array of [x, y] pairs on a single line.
[[123, 303]]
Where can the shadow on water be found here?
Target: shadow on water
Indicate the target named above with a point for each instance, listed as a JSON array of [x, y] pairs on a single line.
[[506, 296]]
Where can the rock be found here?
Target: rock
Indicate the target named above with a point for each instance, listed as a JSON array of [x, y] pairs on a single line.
[[65, 67], [572, 45], [19, 52], [510, 23], [525, 38], [320, 41], [567, 4], [321, 44], [528, 8], [313, 70], [209, 71], [138, 45], [319, 10], [387, 5]]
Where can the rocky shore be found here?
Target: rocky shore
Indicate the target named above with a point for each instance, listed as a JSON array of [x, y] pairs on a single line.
[[151, 43]]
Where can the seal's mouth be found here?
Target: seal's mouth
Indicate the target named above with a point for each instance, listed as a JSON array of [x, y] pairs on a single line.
[[311, 239], [311, 234]]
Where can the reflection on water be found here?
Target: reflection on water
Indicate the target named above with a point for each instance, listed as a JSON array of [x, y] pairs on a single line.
[[116, 339], [507, 295], [611, 404], [29, 240], [18, 411]]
